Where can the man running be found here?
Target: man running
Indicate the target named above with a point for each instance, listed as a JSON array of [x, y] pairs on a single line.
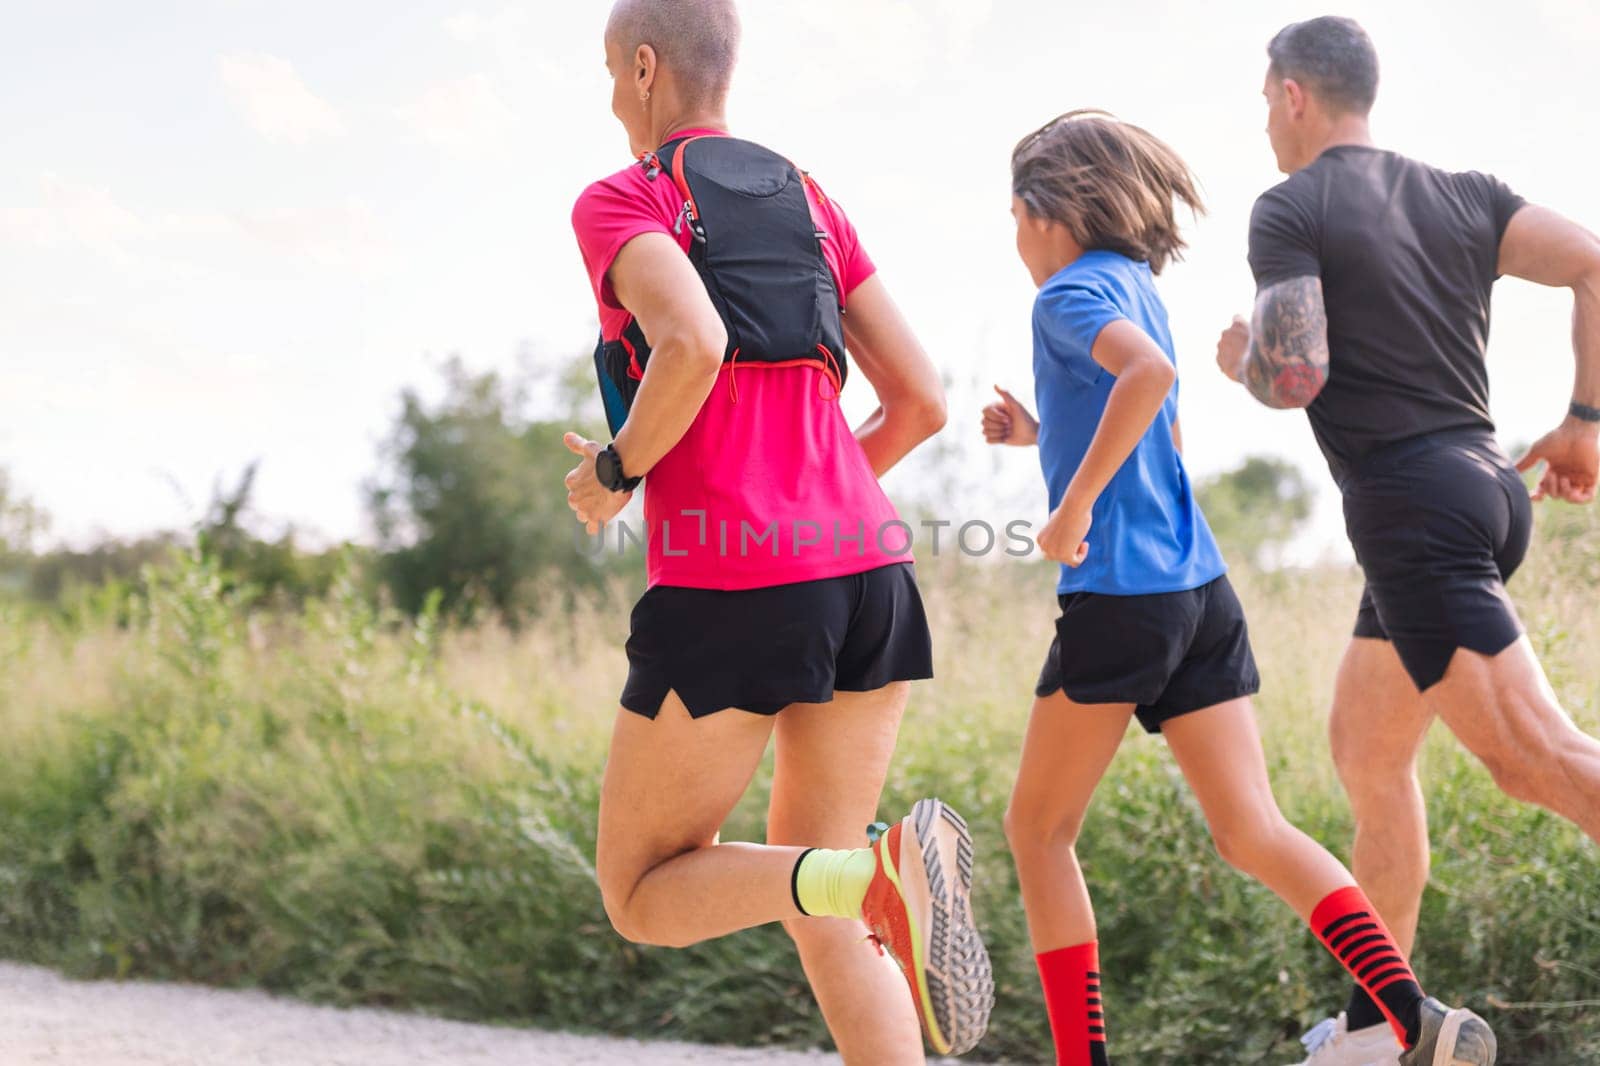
[[1373, 276]]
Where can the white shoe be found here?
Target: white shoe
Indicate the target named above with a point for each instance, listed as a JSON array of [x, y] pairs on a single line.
[[1331, 1043]]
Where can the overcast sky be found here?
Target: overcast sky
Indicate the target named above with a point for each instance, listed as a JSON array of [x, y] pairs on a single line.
[[233, 229]]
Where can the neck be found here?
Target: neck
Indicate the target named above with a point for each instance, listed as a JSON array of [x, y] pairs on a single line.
[[702, 120], [1345, 129]]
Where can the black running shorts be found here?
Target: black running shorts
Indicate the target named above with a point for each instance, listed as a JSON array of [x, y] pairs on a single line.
[[1439, 525], [762, 649], [1168, 654]]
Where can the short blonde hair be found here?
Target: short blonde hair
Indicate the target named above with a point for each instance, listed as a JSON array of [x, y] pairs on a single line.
[[699, 39], [1112, 184]]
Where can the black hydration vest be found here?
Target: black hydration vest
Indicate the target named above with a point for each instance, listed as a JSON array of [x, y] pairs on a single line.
[[759, 252]]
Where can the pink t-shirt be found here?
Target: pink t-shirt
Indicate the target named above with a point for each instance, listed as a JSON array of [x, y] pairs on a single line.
[[769, 486]]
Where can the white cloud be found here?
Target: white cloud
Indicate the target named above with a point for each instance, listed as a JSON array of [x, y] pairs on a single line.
[[346, 235], [465, 115], [279, 104], [474, 27], [69, 213]]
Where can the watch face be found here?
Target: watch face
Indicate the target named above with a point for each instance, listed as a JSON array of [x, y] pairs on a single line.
[[605, 469]]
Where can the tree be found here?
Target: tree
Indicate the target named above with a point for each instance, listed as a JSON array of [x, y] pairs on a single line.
[[1257, 508], [20, 520], [471, 500]]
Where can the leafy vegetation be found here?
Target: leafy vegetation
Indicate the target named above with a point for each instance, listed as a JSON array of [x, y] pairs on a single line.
[[351, 805]]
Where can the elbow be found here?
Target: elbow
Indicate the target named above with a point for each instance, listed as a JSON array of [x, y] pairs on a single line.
[[932, 414], [1154, 371], [1297, 387], [698, 348], [1587, 287]]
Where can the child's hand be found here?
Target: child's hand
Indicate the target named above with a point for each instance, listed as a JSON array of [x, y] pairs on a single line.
[[1006, 421], [1061, 539], [1232, 347]]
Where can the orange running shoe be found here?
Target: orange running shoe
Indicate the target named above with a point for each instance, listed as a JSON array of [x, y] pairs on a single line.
[[919, 908]]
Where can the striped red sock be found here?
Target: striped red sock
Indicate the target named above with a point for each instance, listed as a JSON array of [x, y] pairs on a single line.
[[1071, 979], [1348, 925]]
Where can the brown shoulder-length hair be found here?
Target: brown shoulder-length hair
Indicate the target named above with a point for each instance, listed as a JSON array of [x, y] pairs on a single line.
[[1112, 184]]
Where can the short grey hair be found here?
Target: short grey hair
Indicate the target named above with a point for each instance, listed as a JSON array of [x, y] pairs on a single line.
[[698, 39], [1331, 56]]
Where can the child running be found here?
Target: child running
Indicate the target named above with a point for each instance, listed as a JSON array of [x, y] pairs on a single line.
[[1149, 626]]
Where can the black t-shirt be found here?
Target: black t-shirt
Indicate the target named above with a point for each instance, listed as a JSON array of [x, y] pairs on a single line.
[[1407, 254]]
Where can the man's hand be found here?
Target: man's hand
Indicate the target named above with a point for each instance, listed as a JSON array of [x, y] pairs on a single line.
[[1006, 421], [594, 504], [1571, 454], [1061, 539], [1233, 347]]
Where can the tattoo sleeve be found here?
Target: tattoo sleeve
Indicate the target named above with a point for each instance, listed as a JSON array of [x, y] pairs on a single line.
[[1287, 363]]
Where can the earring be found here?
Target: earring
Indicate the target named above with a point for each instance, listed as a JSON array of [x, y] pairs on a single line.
[[646, 98]]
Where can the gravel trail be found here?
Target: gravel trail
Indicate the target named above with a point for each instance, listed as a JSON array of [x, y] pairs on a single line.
[[45, 1018]]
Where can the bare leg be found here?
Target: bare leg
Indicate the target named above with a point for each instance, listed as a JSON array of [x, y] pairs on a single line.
[[1066, 752], [669, 784], [1377, 727], [831, 762], [1219, 751], [1504, 710]]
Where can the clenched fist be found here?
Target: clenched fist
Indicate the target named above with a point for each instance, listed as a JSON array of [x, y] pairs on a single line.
[[1006, 421], [1233, 346]]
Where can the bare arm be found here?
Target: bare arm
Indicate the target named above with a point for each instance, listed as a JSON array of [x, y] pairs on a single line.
[[911, 406], [1540, 245], [1144, 378], [655, 281], [1286, 363]]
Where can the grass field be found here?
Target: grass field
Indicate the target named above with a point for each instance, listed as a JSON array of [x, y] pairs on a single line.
[[353, 810]]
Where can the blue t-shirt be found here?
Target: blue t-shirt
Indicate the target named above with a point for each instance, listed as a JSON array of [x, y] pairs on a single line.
[[1148, 535]]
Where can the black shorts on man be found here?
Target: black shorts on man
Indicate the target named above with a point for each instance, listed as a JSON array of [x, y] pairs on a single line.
[[1169, 654], [760, 650], [1439, 524]]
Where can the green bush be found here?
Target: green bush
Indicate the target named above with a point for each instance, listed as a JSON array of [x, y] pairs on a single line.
[[343, 806]]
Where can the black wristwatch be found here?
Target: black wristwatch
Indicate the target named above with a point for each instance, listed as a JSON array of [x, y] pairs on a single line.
[[1583, 412], [608, 471]]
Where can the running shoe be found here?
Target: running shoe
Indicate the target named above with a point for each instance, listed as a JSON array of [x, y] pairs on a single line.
[[1451, 1038], [919, 908], [1331, 1042]]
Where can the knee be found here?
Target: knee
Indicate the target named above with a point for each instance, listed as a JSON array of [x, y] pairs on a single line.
[[812, 937], [1031, 828], [628, 917], [1518, 772], [1245, 842]]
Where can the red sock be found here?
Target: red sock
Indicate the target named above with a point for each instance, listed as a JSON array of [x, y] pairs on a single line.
[[1348, 925], [1071, 979]]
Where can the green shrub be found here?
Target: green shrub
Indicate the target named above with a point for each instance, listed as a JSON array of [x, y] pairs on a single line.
[[359, 810]]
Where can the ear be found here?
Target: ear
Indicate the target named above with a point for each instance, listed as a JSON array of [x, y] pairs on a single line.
[[1296, 97], [644, 68]]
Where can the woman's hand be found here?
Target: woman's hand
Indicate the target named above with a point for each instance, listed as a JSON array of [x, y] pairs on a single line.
[[592, 502], [1062, 538], [1006, 421]]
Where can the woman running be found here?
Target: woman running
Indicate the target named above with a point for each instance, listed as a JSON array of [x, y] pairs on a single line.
[[780, 602], [1149, 626]]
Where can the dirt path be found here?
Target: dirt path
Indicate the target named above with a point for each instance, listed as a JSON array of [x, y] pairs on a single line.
[[45, 1018]]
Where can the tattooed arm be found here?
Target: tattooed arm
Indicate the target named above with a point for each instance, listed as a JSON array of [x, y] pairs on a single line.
[[1283, 358]]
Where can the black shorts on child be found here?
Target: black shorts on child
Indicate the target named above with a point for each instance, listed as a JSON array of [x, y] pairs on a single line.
[[1168, 654]]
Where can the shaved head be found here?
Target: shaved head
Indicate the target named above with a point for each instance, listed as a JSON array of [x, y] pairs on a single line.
[[697, 39]]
